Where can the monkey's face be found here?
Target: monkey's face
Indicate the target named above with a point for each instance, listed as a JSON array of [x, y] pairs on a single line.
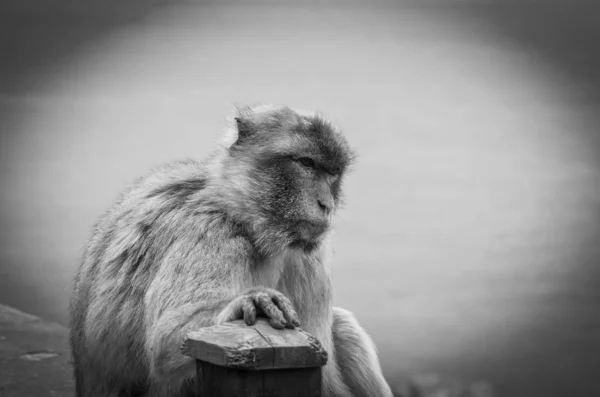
[[296, 166], [304, 195]]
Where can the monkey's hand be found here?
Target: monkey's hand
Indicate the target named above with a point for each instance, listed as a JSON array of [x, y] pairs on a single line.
[[263, 302]]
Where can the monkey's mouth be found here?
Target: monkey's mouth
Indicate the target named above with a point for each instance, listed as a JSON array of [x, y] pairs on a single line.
[[310, 230]]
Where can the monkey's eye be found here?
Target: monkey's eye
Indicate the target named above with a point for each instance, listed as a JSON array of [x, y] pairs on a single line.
[[307, 162], [333, 172]]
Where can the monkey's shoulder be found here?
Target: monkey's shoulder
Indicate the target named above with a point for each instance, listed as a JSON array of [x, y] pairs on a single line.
[[155, 199], [164, 188], [174, 178]]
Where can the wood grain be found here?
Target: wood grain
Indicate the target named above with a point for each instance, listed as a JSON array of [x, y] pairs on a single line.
[[257, 347]]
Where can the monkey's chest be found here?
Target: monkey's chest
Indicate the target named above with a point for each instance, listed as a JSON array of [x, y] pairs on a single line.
[[272, 271], [268, 271], [301, 281]]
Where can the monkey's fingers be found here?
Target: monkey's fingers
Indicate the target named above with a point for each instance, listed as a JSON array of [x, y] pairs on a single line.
[[248, 310], [276, 318], [286, 307], [233, 311]]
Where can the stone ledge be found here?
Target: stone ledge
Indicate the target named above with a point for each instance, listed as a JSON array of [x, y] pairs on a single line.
[[34, 356]]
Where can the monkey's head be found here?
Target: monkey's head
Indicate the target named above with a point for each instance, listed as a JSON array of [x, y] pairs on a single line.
[[284, 171]]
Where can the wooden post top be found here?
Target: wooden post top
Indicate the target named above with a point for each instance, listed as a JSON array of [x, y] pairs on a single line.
[[256, 347]]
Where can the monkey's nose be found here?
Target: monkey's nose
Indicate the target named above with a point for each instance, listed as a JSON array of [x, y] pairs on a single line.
[[325, 206]]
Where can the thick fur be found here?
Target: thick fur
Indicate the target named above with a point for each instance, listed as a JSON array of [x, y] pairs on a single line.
[[185, 246]]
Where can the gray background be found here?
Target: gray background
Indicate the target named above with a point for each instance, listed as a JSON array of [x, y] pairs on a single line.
[[469, 244]]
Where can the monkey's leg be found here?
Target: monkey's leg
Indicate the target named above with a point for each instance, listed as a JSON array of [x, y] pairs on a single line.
[[356, 357]]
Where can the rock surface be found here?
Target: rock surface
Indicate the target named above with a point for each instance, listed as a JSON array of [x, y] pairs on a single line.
[[34, 356]]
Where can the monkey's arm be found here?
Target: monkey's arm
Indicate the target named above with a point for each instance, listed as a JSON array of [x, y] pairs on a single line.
[[208, 284], [167, 363], [175, 323], [195, 282]]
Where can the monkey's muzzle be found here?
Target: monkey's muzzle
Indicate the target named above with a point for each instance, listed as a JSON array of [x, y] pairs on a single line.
[[312, 230]]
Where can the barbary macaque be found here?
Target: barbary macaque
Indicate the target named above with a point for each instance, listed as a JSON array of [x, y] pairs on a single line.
[[194, 244]]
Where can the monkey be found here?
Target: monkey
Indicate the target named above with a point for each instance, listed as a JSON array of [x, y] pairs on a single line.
[[244, 233]]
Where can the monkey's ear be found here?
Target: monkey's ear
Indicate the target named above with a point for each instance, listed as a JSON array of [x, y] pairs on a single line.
[[244, 128]]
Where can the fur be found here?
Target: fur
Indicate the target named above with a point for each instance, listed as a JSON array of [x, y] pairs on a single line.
[[186, 245]]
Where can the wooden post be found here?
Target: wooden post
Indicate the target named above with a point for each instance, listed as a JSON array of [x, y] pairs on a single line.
[[235, 359]]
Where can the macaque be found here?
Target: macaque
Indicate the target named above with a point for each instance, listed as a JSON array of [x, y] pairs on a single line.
[[193, 244]]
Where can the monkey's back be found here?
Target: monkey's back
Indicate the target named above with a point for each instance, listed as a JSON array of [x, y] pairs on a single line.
[[120, 262]]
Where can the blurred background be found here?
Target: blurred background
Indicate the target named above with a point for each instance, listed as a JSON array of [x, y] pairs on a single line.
[[469, 245]]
